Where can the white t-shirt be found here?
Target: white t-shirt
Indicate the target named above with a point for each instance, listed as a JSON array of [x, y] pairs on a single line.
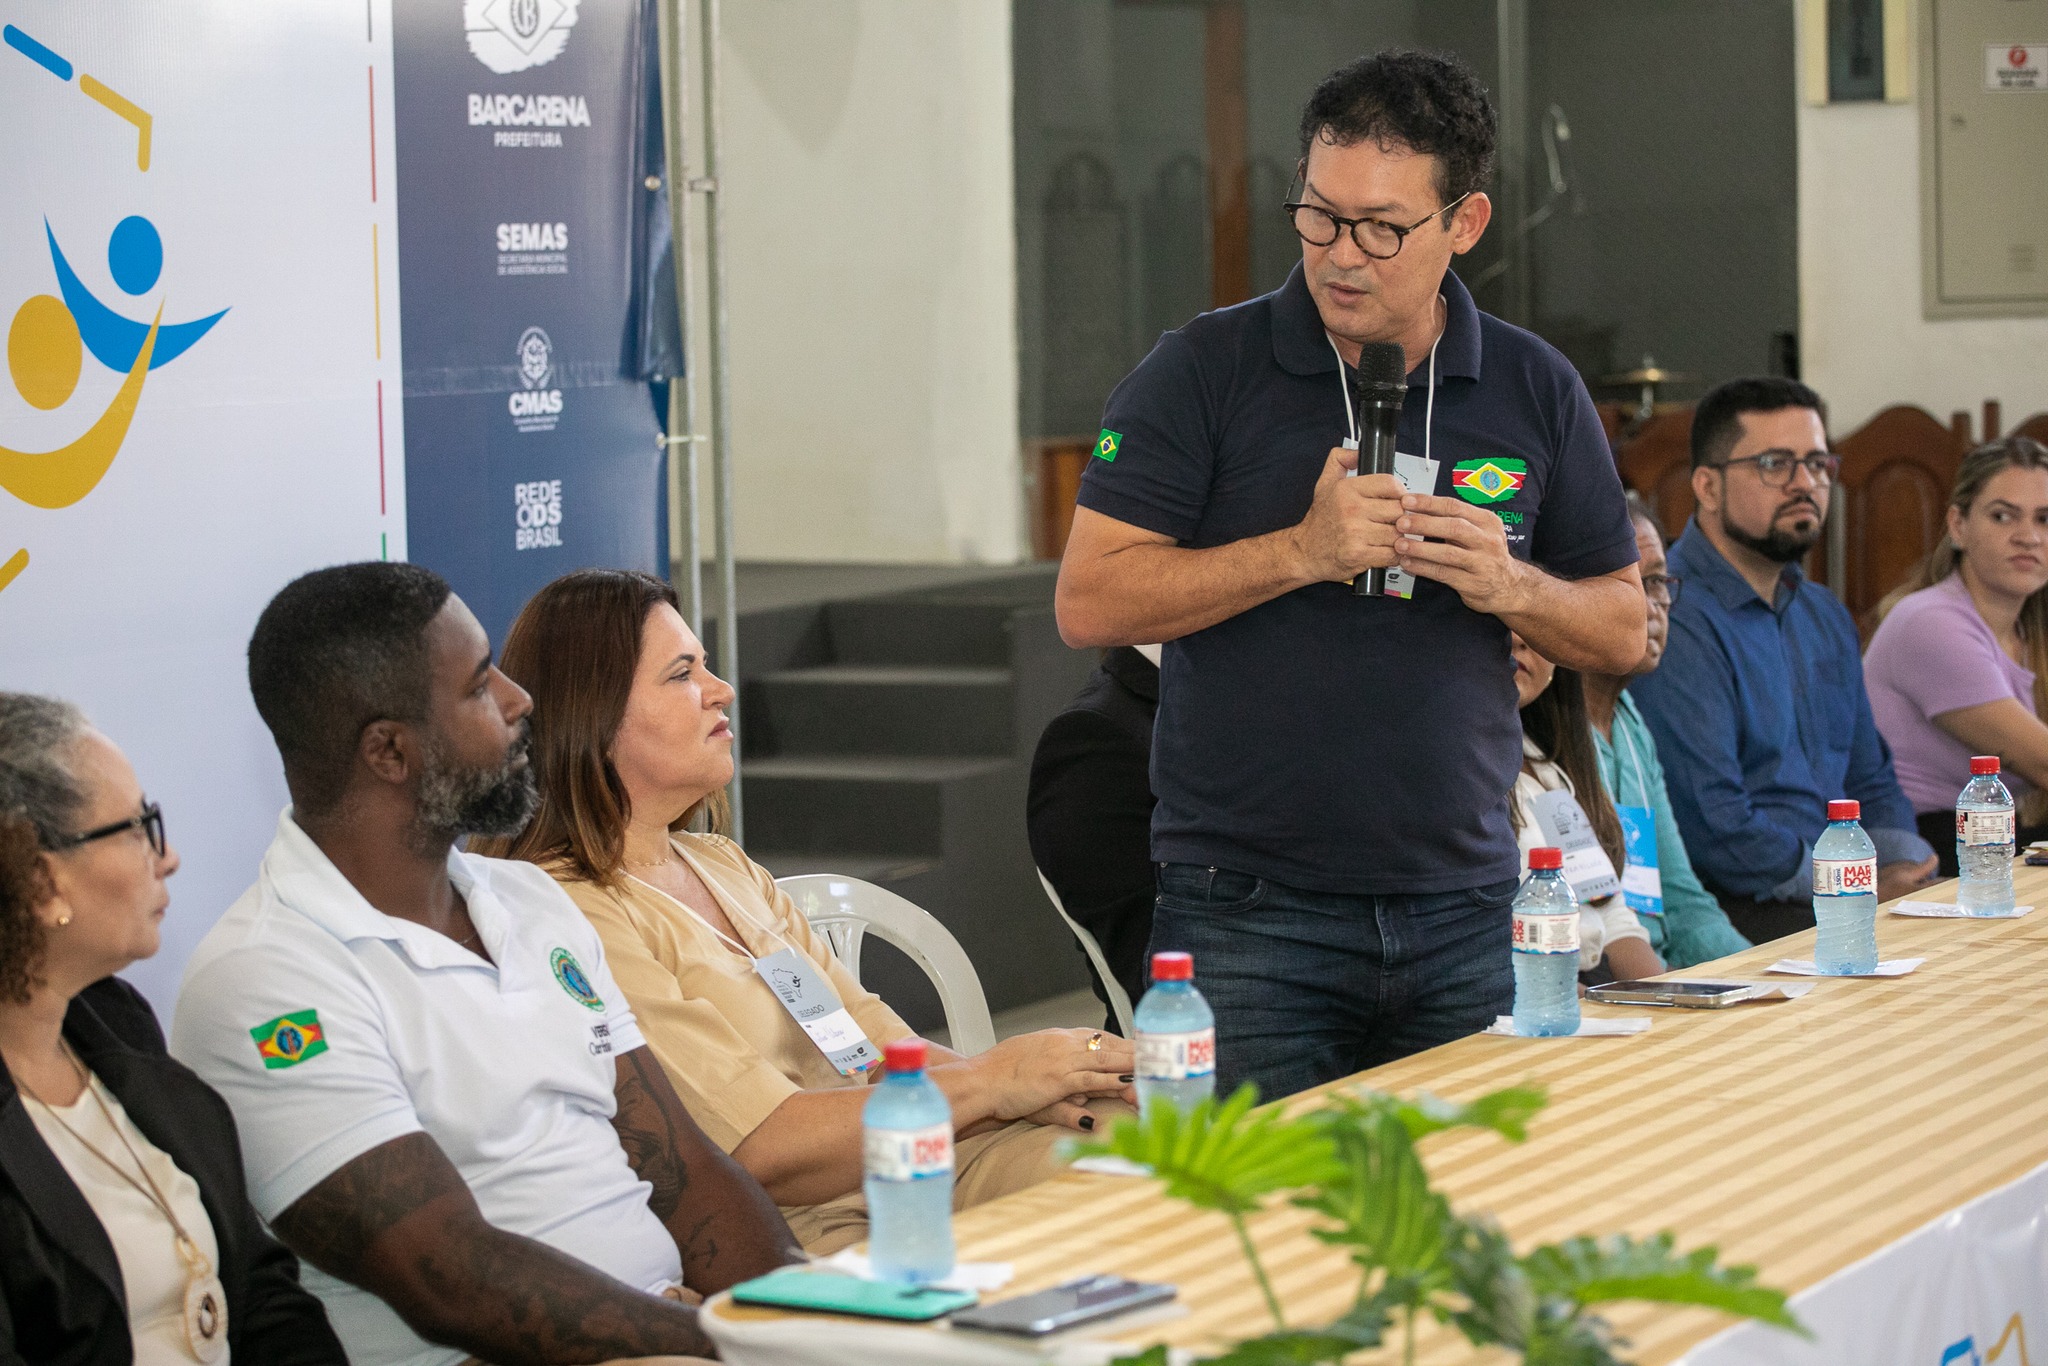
[[332, 1028], [145, 1243]]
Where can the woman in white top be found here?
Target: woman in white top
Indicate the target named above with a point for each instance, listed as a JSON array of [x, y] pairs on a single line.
[[1558, 754], [125, 1229]]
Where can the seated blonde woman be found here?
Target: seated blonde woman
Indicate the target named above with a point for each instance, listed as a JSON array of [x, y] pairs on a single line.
[[630, 744]]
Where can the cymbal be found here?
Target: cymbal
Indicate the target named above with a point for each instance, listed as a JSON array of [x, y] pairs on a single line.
[[1649, 374]]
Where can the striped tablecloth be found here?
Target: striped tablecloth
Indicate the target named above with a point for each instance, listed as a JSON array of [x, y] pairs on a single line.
[[1800, 1136]]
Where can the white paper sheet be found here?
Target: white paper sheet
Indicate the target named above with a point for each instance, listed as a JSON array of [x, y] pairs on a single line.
[[1589, 1028], [1803, 967], [980, 1277], [1941, 910]]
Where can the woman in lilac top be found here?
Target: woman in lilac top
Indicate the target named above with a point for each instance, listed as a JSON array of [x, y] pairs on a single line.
[[1959, 663]]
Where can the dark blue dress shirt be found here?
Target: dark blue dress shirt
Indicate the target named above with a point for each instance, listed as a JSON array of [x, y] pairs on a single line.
[[1761, 719]]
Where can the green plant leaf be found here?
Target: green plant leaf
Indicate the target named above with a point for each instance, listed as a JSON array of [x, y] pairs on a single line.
[[1226, 1158], [1507, 1112], [1155, 1355], [1590, 1271], [1499, 1304], [1364, 1326]]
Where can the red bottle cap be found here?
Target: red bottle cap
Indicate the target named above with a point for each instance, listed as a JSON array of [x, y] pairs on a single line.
[[1842, 810], [1983, 763], [905, 1055], [1545, 860], [1173, 967]]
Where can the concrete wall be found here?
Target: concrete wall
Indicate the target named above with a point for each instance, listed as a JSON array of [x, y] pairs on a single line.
[[1864, 342], [871, 270]]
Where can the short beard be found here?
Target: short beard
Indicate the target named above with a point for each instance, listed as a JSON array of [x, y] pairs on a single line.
[[493, 802], [1779, 547]]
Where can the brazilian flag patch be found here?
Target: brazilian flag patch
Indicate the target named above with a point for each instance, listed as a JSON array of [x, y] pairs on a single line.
[[1488, 481], [290, 1039], [1105, 446]]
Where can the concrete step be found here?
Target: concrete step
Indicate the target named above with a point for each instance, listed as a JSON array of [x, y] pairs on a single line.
[[884, 805], [881, 709], [926, 630]]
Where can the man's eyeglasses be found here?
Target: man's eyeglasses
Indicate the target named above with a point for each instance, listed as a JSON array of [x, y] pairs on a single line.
[[1662, 587], [1775, 467], [150, 823], [1380, 240]]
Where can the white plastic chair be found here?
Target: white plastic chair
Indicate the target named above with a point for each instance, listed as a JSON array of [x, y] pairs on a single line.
[[1119, 999], [845, 909]]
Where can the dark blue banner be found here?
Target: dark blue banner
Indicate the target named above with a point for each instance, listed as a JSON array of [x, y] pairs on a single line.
[[527, 135]]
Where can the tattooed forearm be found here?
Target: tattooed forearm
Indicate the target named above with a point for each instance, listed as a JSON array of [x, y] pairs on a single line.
[[646, 1131], [724, 1225], [400, 1222], [333, 1224]]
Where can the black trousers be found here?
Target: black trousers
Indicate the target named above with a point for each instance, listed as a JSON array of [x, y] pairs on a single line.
[[1938, 828], [1763, 921]]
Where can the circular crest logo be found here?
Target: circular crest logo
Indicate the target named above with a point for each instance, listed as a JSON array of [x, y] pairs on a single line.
[[514, 35], [536, 357], [570, 974]]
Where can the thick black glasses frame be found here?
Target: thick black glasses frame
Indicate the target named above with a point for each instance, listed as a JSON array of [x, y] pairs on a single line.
[[150, 822], [1819, 466], [1352, 225]]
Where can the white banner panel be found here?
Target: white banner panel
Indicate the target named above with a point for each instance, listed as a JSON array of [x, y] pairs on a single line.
[[1961, 1291], [223, 171]]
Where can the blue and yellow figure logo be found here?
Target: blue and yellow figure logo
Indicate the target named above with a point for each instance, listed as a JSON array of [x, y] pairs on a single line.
[[50, 335]]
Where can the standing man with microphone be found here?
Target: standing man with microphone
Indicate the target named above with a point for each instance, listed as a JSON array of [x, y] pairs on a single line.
[[1332, 768]]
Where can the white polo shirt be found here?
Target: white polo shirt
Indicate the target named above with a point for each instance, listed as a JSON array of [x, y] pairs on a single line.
[[332, 1028]]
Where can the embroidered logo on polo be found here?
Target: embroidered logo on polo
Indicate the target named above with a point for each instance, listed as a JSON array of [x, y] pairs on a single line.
[[570, 974], [1488, 481], [290, 1039], [1106, 445]]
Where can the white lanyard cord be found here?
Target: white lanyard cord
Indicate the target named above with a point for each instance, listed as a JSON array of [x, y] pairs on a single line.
[[735, 945], [1429, 406]]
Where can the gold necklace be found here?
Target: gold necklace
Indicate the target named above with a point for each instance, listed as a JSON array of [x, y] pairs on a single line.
[[206, 1300]]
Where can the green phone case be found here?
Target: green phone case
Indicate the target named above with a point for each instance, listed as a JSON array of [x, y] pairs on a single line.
[[831, 1293]]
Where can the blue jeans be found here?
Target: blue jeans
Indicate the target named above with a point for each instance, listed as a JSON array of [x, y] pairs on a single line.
[[1312, 986]]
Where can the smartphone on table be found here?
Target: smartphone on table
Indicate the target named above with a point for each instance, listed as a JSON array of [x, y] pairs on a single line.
[[1068, 1305], [1686, 995]]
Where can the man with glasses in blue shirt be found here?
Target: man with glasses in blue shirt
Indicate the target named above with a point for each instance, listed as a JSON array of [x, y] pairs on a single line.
[[1332, 833], [1758, 708]]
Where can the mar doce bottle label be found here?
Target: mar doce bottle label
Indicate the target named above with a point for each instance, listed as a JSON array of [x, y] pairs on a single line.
[[1844, 876], [909, 1154], [1177, 1057]]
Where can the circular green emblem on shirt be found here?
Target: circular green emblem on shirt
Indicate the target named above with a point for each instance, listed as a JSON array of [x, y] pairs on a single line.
[[570, 974]]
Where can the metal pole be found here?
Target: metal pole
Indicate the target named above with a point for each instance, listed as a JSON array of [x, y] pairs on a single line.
[[685, 557], [721, 395]]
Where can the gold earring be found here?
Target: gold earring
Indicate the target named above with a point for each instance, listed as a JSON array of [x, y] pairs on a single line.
[[63, 920]]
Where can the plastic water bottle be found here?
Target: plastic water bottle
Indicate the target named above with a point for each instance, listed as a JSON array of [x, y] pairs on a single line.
[[908, 1143], [1984, 841], [1176, 1043], [1844, 895], [1546, 943]]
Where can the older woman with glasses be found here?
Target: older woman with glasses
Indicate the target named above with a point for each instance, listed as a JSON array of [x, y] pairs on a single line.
[[125, 1229], [1686, 925]]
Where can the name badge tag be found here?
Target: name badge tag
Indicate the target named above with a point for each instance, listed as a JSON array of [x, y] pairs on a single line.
[[1417, 476], [807, 995], [1642, 886], [1563, 823]]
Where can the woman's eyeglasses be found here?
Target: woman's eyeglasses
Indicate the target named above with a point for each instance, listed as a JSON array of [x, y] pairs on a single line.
[[150, 823]]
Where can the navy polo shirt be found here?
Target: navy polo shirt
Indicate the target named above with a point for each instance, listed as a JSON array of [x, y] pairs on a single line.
[[1323, 740]]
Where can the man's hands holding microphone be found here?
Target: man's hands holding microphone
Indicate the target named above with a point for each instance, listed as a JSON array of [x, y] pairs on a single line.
[[1371, 522]]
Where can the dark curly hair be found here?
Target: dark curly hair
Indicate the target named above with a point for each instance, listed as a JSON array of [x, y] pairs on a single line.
[[1426, 101], [24, 885], [40, 799]]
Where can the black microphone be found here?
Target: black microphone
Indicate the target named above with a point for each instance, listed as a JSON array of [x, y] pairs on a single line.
[[1377, 388]]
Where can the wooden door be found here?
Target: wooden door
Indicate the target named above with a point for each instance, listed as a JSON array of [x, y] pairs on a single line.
[[1656, 461]]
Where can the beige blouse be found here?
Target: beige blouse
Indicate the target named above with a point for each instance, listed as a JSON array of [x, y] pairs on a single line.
[[730, 1048], [144, 1243]]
